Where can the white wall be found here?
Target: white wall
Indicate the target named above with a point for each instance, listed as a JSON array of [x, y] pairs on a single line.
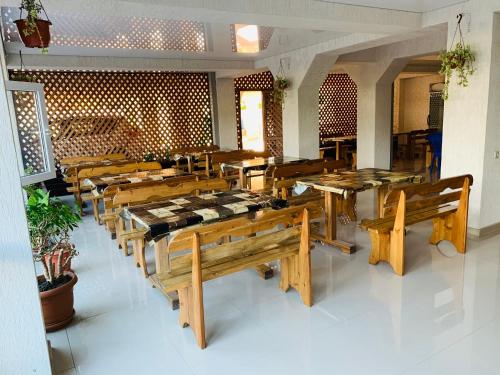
[[226, 109], [470, 128], [23, 346]]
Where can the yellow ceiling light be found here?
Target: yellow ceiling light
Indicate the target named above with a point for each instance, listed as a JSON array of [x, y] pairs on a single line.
[[247, 38]]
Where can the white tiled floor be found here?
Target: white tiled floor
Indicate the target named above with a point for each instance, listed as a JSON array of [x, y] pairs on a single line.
[[443, 316]]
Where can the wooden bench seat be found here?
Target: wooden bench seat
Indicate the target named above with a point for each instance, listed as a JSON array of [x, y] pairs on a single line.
[[187, 272], [415, 204]]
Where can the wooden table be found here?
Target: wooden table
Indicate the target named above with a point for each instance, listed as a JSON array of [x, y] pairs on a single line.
[[162, 218], [338, 141], [349, 182], [193, 153], [259, 164]]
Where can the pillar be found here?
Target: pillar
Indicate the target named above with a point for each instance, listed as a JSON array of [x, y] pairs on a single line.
[[226, 114], [471, 133]]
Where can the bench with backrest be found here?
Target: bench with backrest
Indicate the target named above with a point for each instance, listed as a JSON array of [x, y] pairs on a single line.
[[414, 204], [72, 160], [109, 170], [149, 194], [196, 255], [109, 217]]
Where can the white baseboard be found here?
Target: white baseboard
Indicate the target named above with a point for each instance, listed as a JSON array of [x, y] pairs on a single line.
[[478, 234]]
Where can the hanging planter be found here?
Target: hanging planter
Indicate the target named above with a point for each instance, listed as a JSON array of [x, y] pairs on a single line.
[[34, 32], [21, 75], [280, 85], [459, 59]]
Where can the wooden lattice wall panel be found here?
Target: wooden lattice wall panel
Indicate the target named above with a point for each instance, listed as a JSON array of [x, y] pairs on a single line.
[[95, 112], [272, 112], [338, 105]]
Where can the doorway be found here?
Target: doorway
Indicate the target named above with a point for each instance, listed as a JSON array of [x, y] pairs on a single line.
[[252, 120]]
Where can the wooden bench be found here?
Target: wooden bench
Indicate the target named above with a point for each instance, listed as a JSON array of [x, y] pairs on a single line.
[[290, 246], [414, 204], [89, 159], [131, 197], [109, 217], [108, 170]]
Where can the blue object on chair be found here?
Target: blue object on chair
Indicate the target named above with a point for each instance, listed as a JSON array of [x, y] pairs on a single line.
[[436, 142]]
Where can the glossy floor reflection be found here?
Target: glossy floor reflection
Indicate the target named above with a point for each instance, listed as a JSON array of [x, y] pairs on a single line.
[[442, 317]]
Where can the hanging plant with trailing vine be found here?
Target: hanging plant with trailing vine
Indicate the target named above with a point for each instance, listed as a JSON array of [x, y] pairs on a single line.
[[460, 60], [280, 85]]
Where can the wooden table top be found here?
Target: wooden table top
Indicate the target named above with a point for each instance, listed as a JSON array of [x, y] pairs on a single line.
[[161, 218], [262, 163], [101, 182], [348, 182], [343, 138]]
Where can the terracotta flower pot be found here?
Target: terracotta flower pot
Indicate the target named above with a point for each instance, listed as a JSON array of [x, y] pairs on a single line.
[[67, 267], [57, 304], [39, 38]]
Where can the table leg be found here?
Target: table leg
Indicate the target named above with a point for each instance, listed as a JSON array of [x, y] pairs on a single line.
[[330, 236], [337, 150], [190, 164], [243, 179], [382, 191], [161, 255]]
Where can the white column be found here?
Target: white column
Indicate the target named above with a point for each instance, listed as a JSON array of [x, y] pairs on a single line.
[[471, 133], [374, 82], [301, 108], [226, 110], [22, 333]]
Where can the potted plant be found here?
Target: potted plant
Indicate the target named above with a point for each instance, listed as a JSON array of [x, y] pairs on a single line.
[[167, 161], [50, 222], [34, 32], [149, 156], [460, 59], [280, 85]]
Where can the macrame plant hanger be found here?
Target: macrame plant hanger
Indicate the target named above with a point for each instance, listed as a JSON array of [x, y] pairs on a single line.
[[458, 29]]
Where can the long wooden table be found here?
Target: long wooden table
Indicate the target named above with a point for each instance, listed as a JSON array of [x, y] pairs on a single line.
[[343, 184], [259, 164]]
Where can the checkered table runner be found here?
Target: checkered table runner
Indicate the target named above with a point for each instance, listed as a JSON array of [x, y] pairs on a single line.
[[348, 182], [161, 218], [100, 183]]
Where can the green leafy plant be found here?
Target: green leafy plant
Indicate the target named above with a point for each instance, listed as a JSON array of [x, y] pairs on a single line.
[[50, 222], [33, 9], [280, 85], [460, 59], [22, 76], [149, 157]]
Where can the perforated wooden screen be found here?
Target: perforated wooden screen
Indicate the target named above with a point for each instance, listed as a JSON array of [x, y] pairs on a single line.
[[272, 112], [98, 112], [338, 105]]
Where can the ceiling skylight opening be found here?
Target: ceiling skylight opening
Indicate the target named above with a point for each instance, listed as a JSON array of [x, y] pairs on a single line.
[[247, 38]]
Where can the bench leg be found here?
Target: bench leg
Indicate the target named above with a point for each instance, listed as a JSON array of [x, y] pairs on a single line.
[[120, 229], [95, 210], [388, 247], [191, 300], [140, 255], [449, 228]]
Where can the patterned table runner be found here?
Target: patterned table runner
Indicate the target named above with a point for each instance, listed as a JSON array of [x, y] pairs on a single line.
[[348, 182], [161, 218]]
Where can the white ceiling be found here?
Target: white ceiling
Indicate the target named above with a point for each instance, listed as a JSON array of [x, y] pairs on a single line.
[[405, 5]]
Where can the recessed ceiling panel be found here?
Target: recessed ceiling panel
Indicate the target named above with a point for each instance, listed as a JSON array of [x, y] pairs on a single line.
[[405, 5], [116, 32]]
